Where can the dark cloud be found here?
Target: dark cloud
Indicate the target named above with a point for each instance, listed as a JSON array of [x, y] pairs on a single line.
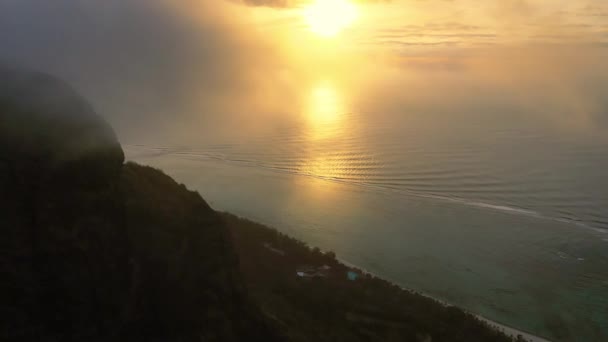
[[269, 3], [290, 3], [137, 60]]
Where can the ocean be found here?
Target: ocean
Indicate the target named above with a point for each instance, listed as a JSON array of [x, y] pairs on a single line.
[[492, 209]]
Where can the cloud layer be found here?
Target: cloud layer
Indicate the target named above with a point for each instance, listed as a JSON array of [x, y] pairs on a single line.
[[194, 64], [137, 60]]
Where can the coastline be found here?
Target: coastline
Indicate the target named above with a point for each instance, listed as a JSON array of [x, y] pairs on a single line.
[[334, 304], [512, 331], [508, 330]]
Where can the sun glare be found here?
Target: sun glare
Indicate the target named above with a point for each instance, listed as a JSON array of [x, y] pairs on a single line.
[[328, 17], [325, 111]]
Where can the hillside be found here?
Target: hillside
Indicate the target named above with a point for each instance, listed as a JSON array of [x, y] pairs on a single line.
[[92, 249]]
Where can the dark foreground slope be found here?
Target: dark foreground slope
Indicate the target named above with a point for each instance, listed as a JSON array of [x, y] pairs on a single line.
[[184, 270], [95, 250]]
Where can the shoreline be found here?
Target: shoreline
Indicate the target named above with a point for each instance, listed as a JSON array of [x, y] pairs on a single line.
[[508, 330], [510, 210]]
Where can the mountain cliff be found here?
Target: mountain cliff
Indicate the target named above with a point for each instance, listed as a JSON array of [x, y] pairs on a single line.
[[92, 249]]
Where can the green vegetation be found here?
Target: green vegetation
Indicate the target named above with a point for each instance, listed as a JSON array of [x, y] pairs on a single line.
[[334, 308]]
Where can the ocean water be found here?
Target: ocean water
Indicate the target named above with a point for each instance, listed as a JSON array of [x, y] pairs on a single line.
[[492, 209]]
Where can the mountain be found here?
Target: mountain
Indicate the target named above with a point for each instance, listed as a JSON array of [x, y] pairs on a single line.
[[92, 249]]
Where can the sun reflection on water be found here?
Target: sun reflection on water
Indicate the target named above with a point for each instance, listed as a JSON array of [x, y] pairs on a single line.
[[327, 128], [325, 111]]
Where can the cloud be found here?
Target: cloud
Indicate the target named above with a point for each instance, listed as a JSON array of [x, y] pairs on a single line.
[[269, 3], [139, 61], [164, 66], [290, 3]]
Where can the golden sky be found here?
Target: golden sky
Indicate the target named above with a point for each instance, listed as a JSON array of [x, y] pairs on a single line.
[[198, 63], [439, 23], [355, 37]]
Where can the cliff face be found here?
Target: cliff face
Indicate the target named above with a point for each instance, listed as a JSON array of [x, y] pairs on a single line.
[[185, 272], [91, 249], [63, 245]]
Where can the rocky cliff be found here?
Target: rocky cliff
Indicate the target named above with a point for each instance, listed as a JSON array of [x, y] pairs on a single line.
[[92, 249]]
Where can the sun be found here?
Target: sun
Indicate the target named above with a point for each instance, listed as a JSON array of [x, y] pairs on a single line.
[[327, 18]]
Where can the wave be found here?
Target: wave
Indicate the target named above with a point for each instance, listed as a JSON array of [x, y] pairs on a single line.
[[351, 176]]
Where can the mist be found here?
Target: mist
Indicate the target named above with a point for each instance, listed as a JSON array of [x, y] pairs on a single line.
[[457, 148], [193, 71], [144, 65]]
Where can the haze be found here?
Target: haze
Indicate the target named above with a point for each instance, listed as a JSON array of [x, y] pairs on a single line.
[[196, 64], [457, 148]]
